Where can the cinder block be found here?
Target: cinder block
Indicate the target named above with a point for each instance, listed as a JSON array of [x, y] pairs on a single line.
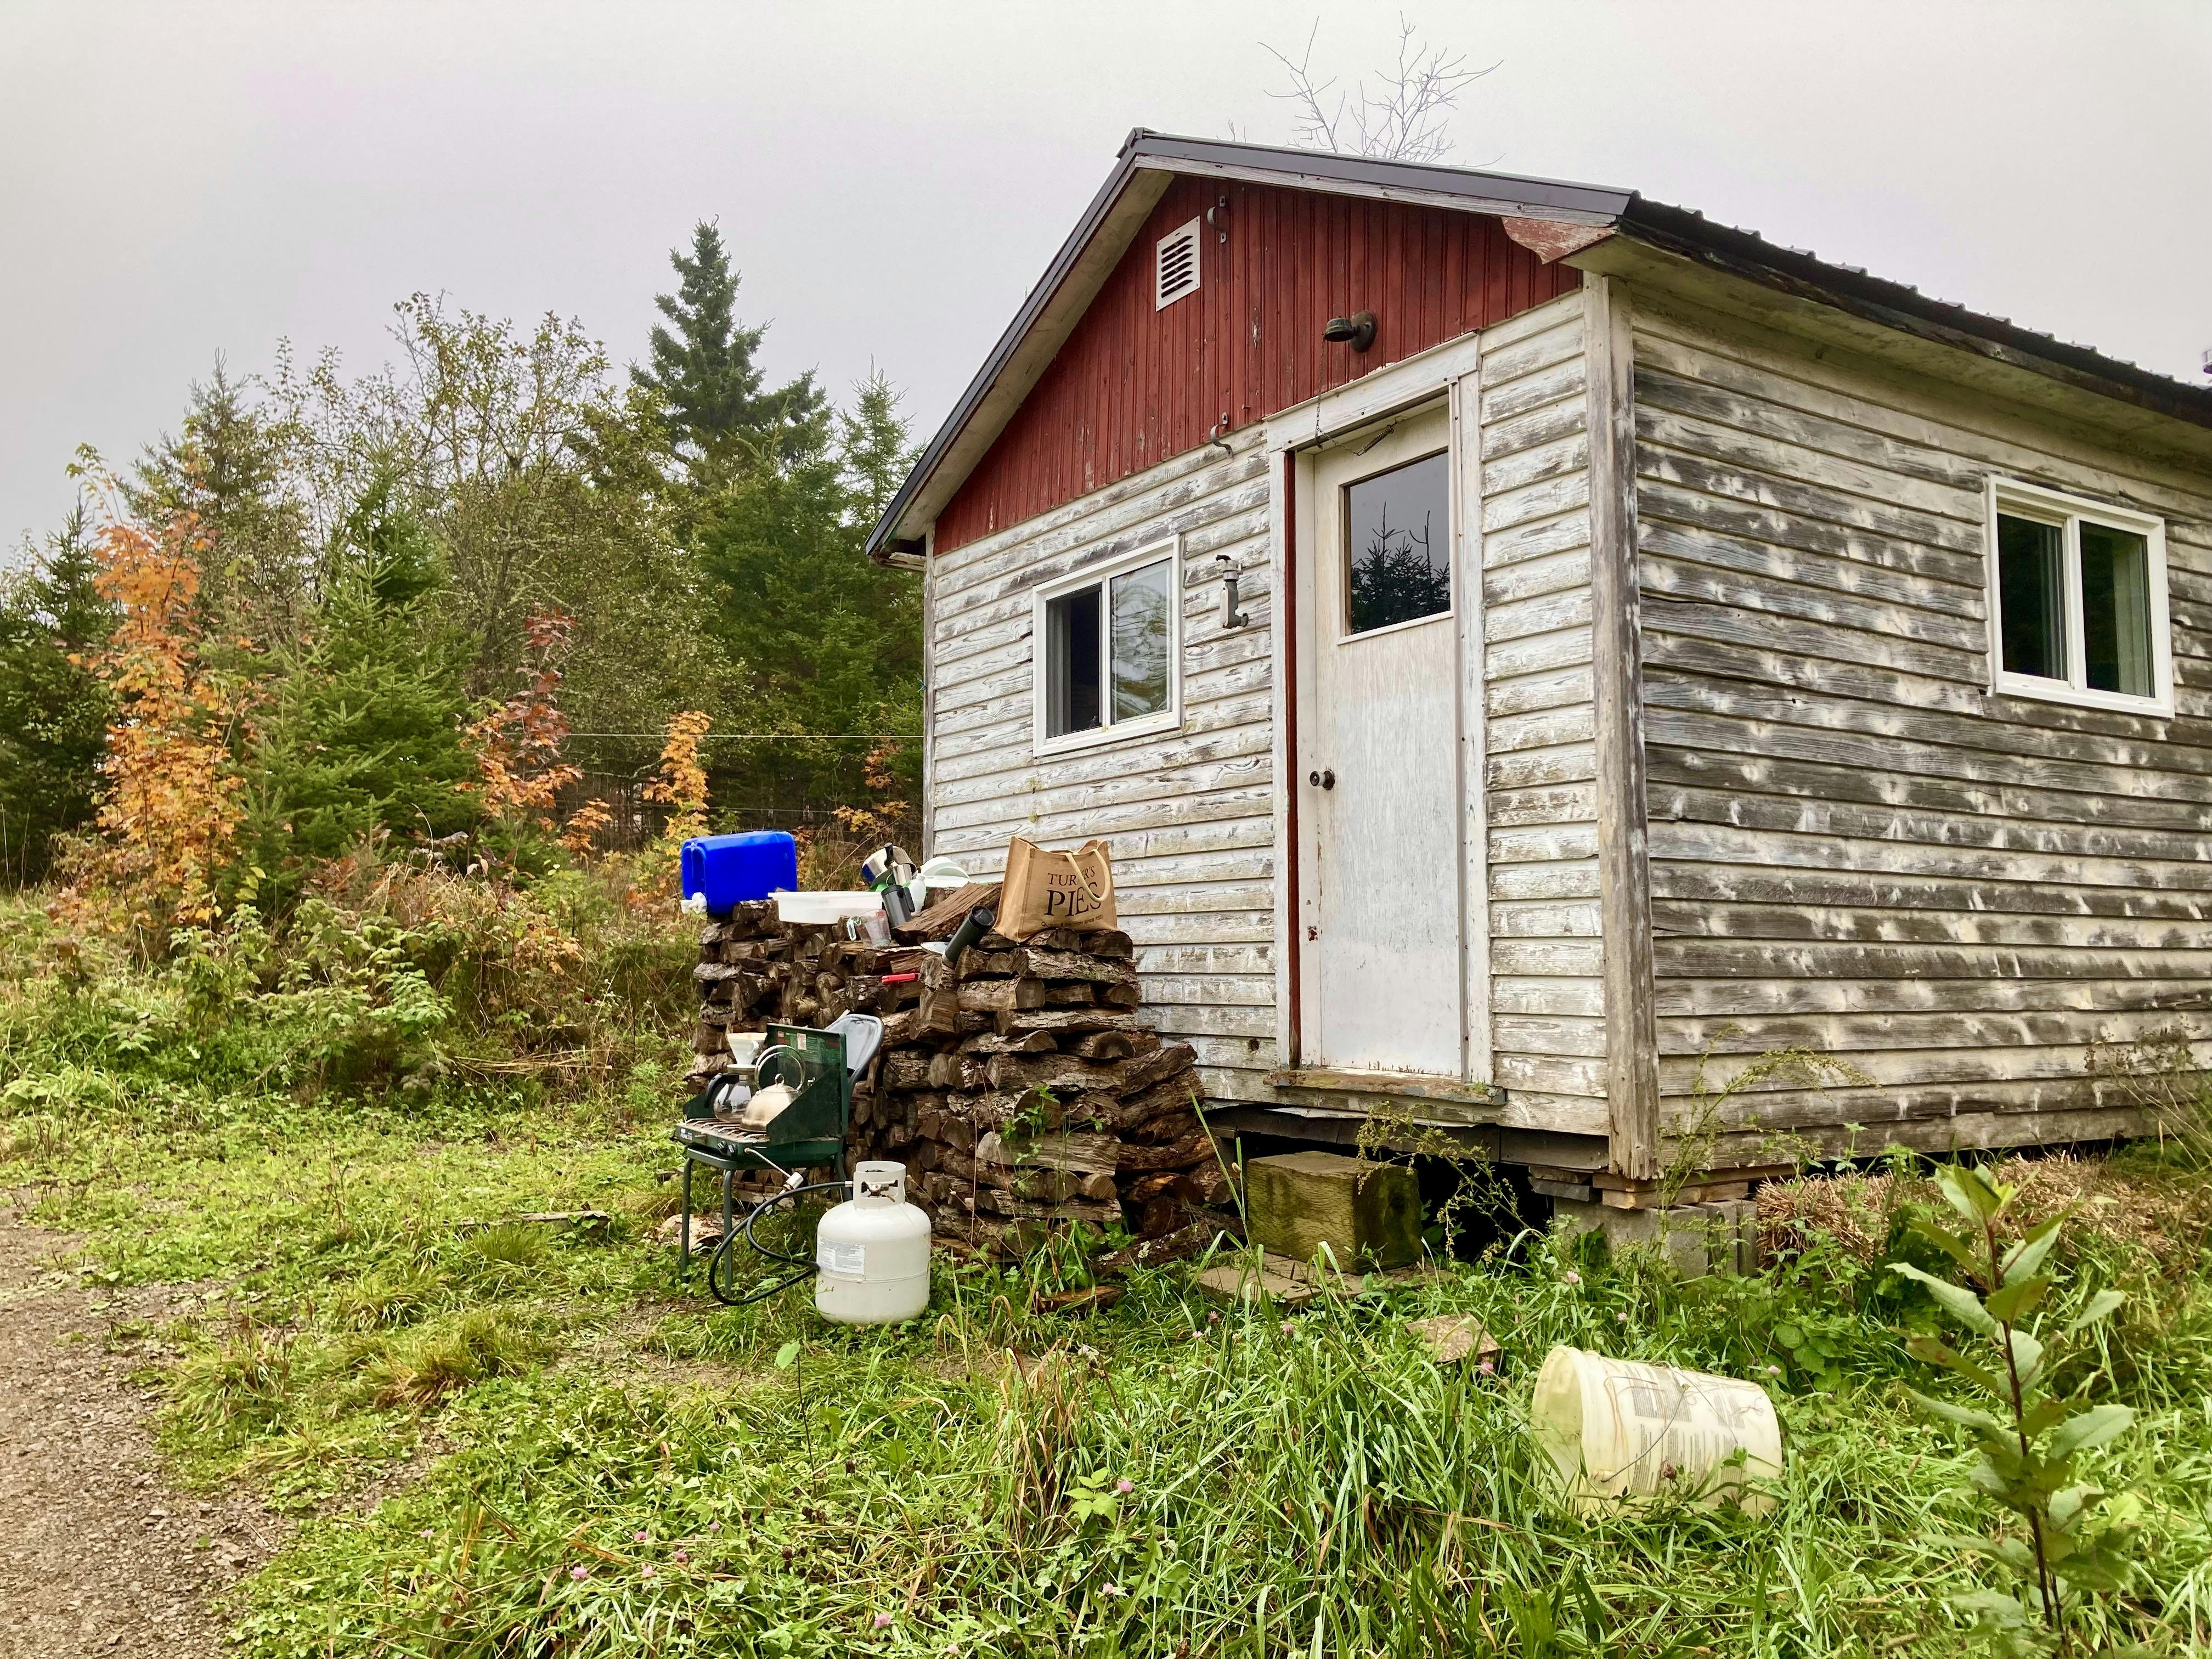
[[1735, 1229], [1695, 1239], [1368, 1215]]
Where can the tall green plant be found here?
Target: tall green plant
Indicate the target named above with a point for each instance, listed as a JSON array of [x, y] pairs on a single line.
[[2030, 1444]]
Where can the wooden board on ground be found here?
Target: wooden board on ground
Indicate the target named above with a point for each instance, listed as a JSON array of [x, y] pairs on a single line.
[[1288, 1284]]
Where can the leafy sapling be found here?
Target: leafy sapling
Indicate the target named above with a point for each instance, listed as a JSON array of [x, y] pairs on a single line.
[[2029, 1445]]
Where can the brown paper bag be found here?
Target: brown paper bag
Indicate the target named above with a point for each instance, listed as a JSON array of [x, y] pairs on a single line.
[[1055, 890]]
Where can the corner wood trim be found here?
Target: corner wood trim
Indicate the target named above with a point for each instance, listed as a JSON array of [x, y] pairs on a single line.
[[1623, 862]]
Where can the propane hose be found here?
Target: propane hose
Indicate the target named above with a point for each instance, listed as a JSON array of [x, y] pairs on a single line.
[[717, 1265]]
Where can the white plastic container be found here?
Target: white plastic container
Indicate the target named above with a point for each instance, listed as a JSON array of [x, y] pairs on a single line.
[[1622, 1432], [825, 907], [872, 1252]]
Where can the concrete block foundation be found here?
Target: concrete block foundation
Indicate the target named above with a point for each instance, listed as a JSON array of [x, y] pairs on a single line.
[[1695, 1239]]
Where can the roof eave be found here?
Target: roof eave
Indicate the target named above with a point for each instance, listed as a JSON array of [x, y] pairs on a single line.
[[1741, 254]]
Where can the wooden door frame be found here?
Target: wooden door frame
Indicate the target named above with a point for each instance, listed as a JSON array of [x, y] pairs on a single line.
[[1445, 372]]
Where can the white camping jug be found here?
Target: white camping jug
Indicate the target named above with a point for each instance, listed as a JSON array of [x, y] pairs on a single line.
[[1619, 1431], [872, 1252]]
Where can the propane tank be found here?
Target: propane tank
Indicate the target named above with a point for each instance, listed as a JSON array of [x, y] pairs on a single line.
[[872, 1252]]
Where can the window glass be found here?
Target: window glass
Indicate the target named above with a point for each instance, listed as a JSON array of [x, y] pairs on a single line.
[[1071, 702], [1140, 641], [2115, 609], [2032, 596], [1398, 545]]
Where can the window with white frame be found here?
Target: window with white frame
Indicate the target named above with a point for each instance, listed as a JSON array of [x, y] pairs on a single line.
[[1107, 659], [2077, 601]]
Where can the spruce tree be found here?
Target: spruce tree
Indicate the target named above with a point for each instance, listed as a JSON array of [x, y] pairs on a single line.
[[878, 452], [360, 723], [824, 640], [53, 709], [703, 370], [227, 466]]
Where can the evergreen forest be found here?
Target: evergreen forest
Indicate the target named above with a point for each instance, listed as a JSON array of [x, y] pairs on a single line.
[[498, 560]]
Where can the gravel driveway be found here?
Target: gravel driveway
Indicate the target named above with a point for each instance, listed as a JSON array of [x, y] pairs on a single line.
[[97, 1556]]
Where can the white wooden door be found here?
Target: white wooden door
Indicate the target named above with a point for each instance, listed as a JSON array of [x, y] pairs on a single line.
[[1378, 775]]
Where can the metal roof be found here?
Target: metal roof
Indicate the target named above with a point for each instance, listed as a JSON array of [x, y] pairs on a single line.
[[1673, 229]]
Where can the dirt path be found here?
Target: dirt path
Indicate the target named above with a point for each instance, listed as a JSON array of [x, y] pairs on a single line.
[[97, 1557]]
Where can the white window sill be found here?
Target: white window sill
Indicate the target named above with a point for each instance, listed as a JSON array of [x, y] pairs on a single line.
[[1098, 736], [2117, 702]]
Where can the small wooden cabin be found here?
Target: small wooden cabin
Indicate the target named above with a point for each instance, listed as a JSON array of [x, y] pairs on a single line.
[[1649, 649]]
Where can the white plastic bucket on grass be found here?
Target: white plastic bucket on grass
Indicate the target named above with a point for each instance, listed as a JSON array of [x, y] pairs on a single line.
[[1622, 1432]]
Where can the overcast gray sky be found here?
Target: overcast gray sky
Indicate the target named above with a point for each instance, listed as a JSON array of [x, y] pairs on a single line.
[[197, 177]]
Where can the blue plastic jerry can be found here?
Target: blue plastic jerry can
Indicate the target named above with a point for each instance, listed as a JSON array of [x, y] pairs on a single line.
[[727, 870]]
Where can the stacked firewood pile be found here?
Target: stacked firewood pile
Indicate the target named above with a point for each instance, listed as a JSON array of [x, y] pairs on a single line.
[[1020, 1084]]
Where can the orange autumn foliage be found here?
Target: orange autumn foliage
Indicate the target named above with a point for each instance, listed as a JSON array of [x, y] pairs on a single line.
[[170, 809], [681, 785], [518, 745], [584, 823], [880, 818]]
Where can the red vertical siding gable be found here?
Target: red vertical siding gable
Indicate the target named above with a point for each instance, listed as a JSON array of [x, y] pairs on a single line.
[[1134, 385]]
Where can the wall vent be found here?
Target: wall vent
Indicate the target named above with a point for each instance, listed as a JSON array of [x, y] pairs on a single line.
[[1174, 266]]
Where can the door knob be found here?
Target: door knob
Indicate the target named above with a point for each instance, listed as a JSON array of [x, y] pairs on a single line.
[[1326, 779]]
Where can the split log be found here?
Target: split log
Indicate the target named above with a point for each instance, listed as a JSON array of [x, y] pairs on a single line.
[[907, 1068], [1113, 1045], [1170, 1060], [1179, 1245], [992, 1042], [1090, 1154], [960, 1072], [1062, 1074], [1054, 1021], [1181, 1154], [1065, 965], [1098, 1214], [1046, 1186], [1101, 942], [994, 996], [1143, 1190]]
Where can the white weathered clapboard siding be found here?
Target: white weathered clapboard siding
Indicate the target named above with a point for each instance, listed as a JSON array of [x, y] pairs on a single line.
[[1547, 1030], [1856, 848], [1190, 814]]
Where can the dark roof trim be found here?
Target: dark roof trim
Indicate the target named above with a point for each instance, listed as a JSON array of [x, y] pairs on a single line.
[[1459, 187], [1739, 252]]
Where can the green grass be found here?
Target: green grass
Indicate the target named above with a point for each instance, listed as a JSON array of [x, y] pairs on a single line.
[[572, 1457]]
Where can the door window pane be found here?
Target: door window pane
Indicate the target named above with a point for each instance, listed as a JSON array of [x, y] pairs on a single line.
[[1071, 703], [1398, 545], [2032, 596], [1140, 641], [2116, 609]]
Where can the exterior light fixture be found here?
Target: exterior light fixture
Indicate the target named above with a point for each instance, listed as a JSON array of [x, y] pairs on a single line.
[[1357, 331]]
